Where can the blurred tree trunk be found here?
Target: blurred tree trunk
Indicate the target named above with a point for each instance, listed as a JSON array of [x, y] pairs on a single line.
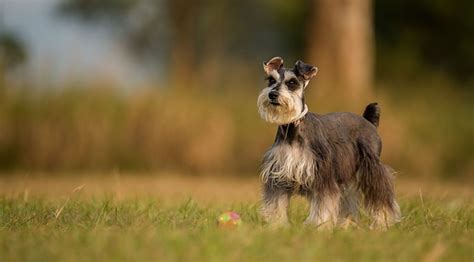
[[183, 50], [2, 80], [340, 43], [217, 21]]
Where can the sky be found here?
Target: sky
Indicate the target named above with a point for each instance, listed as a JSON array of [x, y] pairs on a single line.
[[60, 49]]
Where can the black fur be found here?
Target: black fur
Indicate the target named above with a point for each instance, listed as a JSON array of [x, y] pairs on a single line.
[[372, 113]]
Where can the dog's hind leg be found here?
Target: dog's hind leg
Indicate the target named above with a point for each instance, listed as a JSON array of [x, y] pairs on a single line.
[[349, 206], [323, 209], [375, 182]]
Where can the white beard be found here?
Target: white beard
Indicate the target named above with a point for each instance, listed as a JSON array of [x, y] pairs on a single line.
[[291, 107]]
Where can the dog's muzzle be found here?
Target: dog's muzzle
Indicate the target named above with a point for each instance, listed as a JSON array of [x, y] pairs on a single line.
[[273, 97]]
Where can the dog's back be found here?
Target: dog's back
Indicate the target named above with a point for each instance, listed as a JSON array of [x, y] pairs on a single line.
[[344, 128]]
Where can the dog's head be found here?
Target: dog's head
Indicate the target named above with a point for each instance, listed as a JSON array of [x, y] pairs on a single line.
[[282, 100]]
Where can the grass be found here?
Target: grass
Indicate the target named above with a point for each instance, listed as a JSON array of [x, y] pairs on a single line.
[[141, 227]]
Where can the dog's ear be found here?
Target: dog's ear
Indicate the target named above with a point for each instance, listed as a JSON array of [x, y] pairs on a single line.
[[273, 64], [306, 70]]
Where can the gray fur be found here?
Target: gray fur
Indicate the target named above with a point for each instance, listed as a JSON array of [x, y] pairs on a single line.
[[328, 159]]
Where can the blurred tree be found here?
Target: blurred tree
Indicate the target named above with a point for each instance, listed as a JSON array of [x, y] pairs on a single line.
[[425, 37], [12, 52], [182, 15], [200, 41], [154, 30], [92, 10], [340, 43], [12, 55]]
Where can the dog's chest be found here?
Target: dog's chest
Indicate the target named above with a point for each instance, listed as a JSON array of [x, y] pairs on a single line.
[[289, 165]]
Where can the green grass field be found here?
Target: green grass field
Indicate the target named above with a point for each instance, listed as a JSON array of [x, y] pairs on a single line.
[[140, 227]]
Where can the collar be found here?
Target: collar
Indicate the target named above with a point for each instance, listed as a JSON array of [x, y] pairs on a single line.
[[298, 119]]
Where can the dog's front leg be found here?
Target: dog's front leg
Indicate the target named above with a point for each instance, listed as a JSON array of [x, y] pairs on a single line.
[[275, 205]]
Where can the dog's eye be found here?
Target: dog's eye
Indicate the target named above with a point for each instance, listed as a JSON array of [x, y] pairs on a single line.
[[292, 84], [271, 81]]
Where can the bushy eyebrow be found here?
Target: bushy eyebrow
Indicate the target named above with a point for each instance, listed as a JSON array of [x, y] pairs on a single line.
[[290, 75]]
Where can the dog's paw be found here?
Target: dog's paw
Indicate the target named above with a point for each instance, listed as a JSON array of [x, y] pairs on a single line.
[[319, 225]]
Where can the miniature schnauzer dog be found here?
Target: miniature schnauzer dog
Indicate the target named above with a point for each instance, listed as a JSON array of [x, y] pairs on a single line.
[[333, 160]]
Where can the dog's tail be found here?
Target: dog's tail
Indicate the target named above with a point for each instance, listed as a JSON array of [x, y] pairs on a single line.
[[375, 182], [372, 113]]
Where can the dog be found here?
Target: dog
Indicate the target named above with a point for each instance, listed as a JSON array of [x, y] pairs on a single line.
[[333, 160]]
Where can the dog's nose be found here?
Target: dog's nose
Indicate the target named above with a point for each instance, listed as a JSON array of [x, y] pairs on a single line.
[[273, 95]]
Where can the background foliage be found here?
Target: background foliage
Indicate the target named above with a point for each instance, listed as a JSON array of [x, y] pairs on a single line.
[[198, 113]]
